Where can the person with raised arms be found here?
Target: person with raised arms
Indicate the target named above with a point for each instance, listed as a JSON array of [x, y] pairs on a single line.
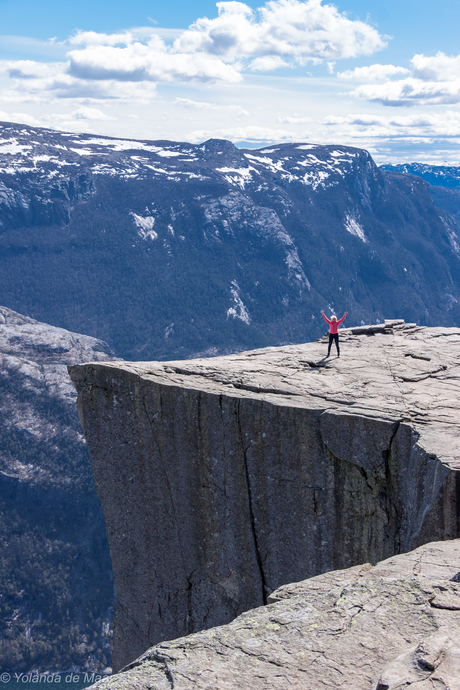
[[333, 331]]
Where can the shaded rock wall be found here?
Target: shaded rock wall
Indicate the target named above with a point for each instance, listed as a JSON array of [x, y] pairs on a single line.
[[215, 495]]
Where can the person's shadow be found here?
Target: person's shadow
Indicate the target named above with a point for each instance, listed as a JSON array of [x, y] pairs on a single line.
[[319, 363]]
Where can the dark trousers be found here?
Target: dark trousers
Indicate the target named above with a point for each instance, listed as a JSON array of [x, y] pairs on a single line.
[[332, 337]]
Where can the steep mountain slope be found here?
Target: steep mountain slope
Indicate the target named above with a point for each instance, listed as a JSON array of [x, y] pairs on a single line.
[[437, 175], [444, 183], [167, 250], [57, 599]]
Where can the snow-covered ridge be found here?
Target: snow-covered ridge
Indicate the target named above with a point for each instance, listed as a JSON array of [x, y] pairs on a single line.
[[46, 154]]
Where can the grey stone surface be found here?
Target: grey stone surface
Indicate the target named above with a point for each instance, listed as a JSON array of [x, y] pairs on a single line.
[[223, 479], [390, 627]]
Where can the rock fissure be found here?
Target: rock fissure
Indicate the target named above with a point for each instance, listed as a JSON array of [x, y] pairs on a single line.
[[245, 447], [393, 510]]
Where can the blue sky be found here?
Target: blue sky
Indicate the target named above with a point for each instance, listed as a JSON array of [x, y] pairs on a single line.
[[379, 75]]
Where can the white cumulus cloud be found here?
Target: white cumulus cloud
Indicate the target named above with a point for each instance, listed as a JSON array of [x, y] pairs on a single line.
[[373, 73], [411, 92], [151, 62], [254, 134], [432, 80], [439, 67], [286, 28]]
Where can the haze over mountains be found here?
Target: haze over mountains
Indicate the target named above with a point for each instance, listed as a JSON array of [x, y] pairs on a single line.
[[168, 250]]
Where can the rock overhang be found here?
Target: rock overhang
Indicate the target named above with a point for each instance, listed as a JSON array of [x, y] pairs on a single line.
[[395, 372]]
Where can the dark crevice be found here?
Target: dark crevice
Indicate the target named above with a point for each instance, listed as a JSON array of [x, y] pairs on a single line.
[[251, 510], [189, 623], [457, 501], [393, 507]]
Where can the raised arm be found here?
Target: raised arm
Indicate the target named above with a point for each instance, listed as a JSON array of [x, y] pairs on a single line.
[[343, 318], [325, 317]]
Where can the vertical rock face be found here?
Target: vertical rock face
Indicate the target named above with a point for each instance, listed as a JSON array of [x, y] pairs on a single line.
[[223, 479]]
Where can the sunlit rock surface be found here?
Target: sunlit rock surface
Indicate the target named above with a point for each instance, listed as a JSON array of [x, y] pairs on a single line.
[[387, 627], [223, 479]]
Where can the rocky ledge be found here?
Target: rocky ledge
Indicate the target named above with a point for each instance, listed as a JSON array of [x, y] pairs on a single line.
[[387, 627], [223, 479]]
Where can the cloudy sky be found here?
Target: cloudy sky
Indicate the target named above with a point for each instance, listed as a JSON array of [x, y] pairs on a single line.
[[383, 75]]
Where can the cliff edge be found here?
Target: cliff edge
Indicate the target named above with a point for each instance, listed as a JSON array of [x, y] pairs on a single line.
[[222, 479]]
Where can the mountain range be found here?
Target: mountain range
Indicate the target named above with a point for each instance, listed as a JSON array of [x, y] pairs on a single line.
[[170, 250]]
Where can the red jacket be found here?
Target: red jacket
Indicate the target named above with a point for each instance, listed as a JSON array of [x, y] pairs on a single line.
[[334, 325]]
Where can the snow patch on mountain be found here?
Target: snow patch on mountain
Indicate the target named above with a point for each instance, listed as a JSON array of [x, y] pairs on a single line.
[[273, 166], [354, 228], [238, 310], [144, 224], [237, 176], [316, 179], [12, 147]]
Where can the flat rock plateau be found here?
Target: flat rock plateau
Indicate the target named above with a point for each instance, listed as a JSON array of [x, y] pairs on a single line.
[[223, 479], [392, 626]]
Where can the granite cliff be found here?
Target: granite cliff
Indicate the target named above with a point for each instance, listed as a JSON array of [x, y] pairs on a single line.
[[222, 479], [56, 601]]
